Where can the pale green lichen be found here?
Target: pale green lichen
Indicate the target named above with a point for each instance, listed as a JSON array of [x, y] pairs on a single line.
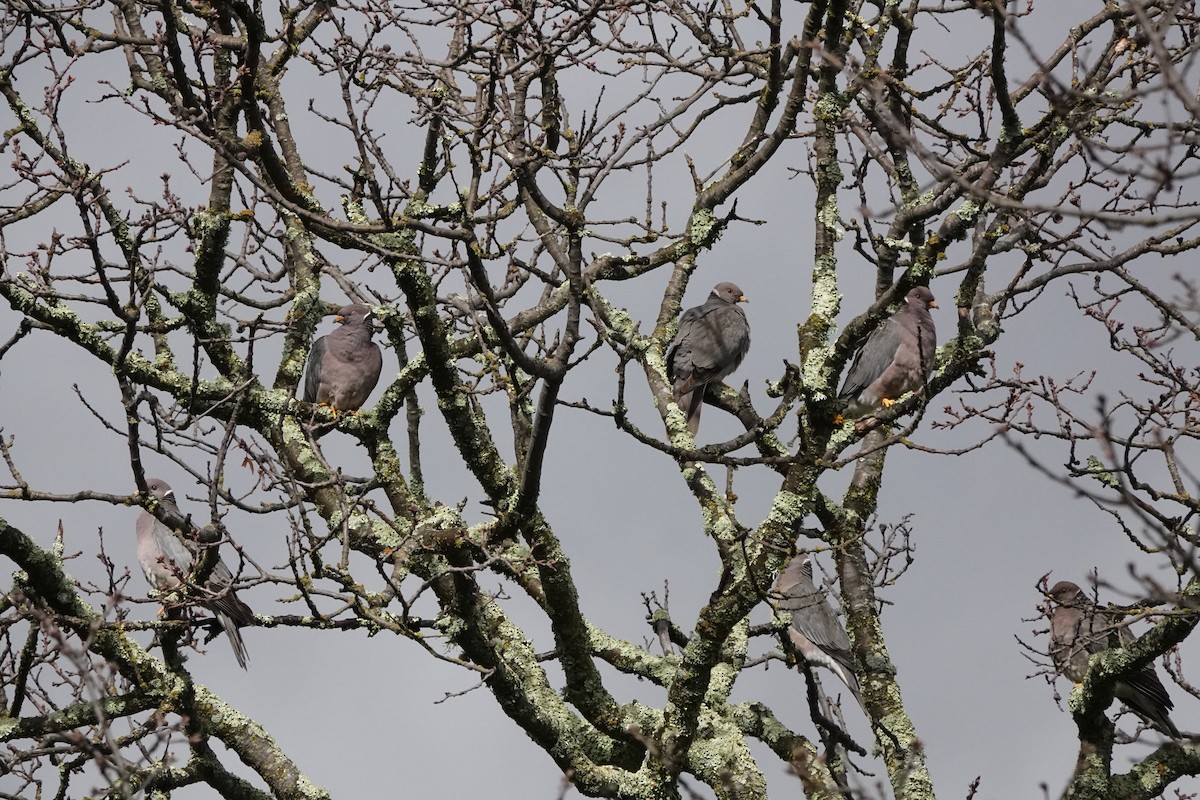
[[450, 625], [829, 107], [919, 200], [620, 322], [787, 508], [419, 208], [718, 519], [827, 215], [726, 672], [359, 522], [701, 226], [354, 211], [720, 757], [678, 418], [631, 656], [389, 537], [902, 245], [841, 437], [968, 211], [442, 518], [296, 440], [826, 302], [814, 368], [1101, 473], [292, 232], [204, 223]]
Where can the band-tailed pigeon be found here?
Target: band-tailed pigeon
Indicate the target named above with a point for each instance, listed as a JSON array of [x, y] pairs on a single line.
[[1078, 629], [712, 340], [166, 560], [815, 630], [896, 358], [344, 366]]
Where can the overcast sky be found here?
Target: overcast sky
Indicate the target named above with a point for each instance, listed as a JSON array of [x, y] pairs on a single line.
[[369, 718]]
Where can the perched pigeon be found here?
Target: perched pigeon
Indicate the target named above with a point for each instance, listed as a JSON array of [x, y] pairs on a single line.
[[166, 560], [344, 366], [1078, 629], [896, 358], [712, 341], [815, 630]]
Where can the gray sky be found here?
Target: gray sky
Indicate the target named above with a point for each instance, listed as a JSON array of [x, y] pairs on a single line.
[[363, 716]]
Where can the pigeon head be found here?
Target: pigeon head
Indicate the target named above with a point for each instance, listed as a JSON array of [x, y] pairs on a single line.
[[729, 292], [920, 296], [159, 488], [1064, 592], [354, 314], [806, 567]]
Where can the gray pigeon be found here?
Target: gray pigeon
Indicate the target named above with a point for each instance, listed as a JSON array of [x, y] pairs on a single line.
[[712, 340], [815, 630], [166, 560], [344, 366], [1078, 629], [896, 358]]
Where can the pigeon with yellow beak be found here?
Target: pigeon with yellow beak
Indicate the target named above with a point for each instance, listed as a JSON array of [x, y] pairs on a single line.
[[897, 358], [344, 366]]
